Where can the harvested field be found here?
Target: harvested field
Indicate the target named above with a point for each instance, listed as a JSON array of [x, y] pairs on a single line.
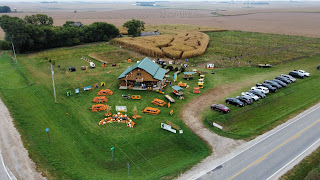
[[180, 46]]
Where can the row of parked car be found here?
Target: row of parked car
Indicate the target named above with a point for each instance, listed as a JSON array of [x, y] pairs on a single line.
[[261, 90]]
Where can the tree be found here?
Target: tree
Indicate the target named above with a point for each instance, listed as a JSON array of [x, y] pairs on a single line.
[[39, 20], [5, 9], [134, 27]]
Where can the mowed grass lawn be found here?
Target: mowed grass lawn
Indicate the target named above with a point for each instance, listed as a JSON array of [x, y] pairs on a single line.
[[79, 147], [252, 120], [259, 48]]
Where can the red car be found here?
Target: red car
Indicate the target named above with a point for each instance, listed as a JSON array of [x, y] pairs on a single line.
[[220, 107]]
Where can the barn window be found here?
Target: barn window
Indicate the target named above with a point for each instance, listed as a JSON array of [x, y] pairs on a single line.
[[139, 74]]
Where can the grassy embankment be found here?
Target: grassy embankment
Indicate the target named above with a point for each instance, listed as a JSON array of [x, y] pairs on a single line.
[[252, 120], [307, 169]]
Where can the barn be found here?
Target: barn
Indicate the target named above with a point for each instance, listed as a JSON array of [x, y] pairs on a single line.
[[144, 75]]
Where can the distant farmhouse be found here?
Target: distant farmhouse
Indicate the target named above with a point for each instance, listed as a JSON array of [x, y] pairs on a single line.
[[151, 33], [142, 3], [144, 75]]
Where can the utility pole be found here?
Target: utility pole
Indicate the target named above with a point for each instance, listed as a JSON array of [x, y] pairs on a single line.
[[54, 88], [128, 170], [14, 52]]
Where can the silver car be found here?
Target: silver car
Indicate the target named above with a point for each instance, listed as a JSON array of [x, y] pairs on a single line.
[[253, 96]]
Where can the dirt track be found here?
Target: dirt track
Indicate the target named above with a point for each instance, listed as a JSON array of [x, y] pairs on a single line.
[[191, 113], [14, 154]]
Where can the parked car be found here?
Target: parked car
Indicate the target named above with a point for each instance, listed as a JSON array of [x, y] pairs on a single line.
[[292, 79], [283, 79], [253, 96], [258, 93], [273, 84], [271, 89], [220, 108], [245, 99], [296, 74], [280, 82], [234, 101], [303, 72], [264, 90]]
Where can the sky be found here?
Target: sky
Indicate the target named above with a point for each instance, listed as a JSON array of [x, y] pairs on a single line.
[[133, 0]]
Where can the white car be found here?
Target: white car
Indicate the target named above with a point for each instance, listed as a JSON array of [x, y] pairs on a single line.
[[304, 73], [253, 96], [262, 89]]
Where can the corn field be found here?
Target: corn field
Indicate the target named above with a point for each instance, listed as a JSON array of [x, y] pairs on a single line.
[[180, 46]]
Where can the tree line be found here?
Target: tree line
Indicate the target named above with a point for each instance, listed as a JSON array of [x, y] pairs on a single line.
[[5, 9], [36, 32]]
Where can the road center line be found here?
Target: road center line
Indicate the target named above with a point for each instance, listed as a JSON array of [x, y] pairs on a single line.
[[265, 156]]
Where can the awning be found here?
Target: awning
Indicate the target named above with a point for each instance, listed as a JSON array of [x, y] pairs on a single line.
[[177, 88]]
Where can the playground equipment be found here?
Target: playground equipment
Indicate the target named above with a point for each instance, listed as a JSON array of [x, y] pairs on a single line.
[[188, 75], [150, 110], [71, 69], [201, 76], [87, 88], [121, 109], [161, 91], [100, 99], [171, 112], [119, 118], [136, 116], [181, 84], [200, 85], [98, 107], [105, 92], [83, 68], [209, 66], [170, 99], [124, 96], [92, 65], [158, 102], [196, 90], [177, 91], [108, 113]]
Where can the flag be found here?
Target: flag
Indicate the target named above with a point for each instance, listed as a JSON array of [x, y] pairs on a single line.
[[112, 148]]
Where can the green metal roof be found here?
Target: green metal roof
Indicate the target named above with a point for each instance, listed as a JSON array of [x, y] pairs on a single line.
[[188, 73], [177, 88], [149, 66]]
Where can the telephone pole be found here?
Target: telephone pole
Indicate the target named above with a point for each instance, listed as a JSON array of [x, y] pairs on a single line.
[[14, 52], [54, 88]]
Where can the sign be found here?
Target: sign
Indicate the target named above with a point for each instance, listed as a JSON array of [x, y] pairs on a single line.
[[217, 125], [47, 129], [87, 88], [168, 128]]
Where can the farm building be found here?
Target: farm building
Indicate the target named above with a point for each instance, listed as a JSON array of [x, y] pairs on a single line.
[[144, 75], [144, 3], [150, 33]]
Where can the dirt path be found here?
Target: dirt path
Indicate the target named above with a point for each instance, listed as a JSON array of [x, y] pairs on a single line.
[[221, 146], [14, 154]]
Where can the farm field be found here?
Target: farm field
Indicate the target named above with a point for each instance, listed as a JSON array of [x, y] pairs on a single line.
[[308, 168], [82, 147], [300, 19], [236, 48], [253, 120]]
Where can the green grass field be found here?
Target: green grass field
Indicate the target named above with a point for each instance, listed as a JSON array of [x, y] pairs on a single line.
[[307, 169], [257, 47], [80, 148], [252, 120]]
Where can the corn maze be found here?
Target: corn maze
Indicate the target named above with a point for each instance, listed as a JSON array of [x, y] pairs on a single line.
[[180, 46]]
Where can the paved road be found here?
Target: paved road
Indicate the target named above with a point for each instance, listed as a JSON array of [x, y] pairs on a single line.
[[267, 157], [3, 173]]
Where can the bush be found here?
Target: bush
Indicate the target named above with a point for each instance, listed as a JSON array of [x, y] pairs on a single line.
[[5, 45], [313, 175]]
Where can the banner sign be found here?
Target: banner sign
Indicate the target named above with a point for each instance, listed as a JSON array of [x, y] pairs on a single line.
[[217, 125], [168, 128]]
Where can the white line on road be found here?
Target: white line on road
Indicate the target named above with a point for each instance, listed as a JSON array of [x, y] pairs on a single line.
[[293, 159], [4, 166], [266, 137]]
